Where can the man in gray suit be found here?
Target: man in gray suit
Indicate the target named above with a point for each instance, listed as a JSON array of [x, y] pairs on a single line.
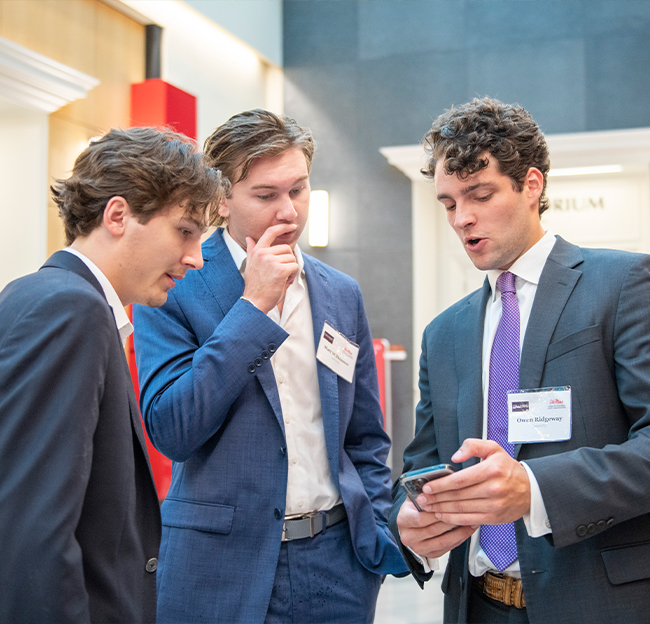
[[544, 523]]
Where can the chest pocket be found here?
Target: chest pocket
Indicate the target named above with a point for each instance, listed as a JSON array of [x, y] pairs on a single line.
[[573, 341]]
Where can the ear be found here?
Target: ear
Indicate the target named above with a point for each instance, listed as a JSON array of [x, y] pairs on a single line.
[[534, 184], [224, 208], [116, 215]]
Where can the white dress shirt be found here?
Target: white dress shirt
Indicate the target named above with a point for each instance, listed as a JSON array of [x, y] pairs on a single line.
[[309, 483], [122, 321], [527, 270]]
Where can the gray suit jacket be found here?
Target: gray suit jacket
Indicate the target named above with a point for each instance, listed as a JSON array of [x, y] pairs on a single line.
[[589, 328]]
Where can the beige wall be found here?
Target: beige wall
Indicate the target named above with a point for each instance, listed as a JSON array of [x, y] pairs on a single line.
[[93, 38]]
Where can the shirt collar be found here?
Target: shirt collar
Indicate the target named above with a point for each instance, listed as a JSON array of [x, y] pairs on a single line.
[[122, 321], [528, 267], [239, 255]]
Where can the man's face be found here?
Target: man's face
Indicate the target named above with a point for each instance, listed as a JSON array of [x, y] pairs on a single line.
[[158, 253], [275, 191], [495, 223]]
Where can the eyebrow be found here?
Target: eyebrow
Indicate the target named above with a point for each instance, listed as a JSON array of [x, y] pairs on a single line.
[[274, 186], [202, 226], [466, 190]]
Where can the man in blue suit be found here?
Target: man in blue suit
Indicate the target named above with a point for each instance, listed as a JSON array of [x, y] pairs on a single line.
[[279, 495], [79, 515], [553, 524]]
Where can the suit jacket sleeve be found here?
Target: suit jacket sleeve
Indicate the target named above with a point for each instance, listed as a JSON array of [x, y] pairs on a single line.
[[609, 482], [188, 388], [53, 362]]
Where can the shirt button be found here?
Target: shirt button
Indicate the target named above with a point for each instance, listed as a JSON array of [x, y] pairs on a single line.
[[286, 421], [281, 379], [277, 513], [299, 503], [294, 461], [152, 565]]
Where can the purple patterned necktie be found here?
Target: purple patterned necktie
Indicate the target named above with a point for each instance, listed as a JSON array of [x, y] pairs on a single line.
[[498, 541]]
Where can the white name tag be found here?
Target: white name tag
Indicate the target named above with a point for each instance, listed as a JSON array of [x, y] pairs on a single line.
[[337, 352], [540, 415]]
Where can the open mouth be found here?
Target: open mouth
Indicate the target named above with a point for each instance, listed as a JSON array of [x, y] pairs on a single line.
[[472, 242]]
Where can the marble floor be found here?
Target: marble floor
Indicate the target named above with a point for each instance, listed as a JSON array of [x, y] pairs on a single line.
[[401, 601]]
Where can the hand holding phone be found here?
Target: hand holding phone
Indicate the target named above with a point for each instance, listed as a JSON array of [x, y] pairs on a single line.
[[414, 480]]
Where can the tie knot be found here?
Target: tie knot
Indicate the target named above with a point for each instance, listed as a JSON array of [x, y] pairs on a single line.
[[506, 282]]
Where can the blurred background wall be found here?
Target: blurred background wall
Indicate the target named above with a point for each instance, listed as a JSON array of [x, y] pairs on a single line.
[[362, 74], [372, 73]]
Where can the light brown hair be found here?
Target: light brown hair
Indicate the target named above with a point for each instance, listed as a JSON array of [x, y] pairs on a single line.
[[253, 134]]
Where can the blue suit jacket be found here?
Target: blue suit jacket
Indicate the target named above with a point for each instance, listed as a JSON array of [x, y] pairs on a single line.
[[79, 514], [589, 328], [211, 404]]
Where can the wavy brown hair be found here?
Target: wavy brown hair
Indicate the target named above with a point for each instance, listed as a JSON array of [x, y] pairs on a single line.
[[462, 136], [253, 134], [152, 169]]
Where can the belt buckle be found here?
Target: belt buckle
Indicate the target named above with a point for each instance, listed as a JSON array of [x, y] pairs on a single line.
[[312, 528]]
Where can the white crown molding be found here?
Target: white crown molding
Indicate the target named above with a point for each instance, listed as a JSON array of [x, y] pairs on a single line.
[[37, 82], [409, 159], [629, 148]]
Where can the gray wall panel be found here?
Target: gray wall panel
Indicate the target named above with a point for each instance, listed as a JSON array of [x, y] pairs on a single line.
[[370, 73]]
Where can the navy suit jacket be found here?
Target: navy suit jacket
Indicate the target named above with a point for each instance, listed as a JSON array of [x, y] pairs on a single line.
[[79, 515], [210, 403], [589, 328]]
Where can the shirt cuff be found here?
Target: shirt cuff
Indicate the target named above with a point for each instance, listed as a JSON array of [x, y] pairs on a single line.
[[429, 565], [536, 520]]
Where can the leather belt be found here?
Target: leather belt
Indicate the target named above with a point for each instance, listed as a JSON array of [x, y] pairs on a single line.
[[311, 524], [502, 588]]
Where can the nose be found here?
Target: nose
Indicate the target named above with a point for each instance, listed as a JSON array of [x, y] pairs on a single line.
[[463, 216], [286, 210], [193, 259]]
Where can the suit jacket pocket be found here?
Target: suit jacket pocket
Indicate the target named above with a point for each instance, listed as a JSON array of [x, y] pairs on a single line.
[[573, 341], [208, 517], [625, 564]]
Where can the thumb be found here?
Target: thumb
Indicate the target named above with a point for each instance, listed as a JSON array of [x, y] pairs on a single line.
[[473, 447]]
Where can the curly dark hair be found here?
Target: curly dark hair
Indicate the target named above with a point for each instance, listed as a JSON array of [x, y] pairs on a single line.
[[253, 134], [461, 136], [152, 169]]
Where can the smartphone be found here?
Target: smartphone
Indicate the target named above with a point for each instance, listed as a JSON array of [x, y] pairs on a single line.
[[414, 480]]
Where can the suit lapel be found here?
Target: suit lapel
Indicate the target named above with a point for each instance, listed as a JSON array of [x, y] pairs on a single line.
[[226, 284], [556, 283], [468, 356], [70, 262], [324, 308], [221, 275]]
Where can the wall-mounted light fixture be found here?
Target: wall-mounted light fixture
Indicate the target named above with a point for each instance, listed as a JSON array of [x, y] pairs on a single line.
[[319, 219]]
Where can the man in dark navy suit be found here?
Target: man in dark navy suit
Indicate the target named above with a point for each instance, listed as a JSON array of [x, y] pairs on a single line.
[[79, 515]]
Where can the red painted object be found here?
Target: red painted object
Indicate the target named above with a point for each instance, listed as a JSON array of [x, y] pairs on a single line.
[[380, 349], [157, 103]]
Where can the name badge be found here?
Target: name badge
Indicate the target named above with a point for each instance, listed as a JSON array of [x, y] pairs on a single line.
[[337, 352], [540, 415]]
